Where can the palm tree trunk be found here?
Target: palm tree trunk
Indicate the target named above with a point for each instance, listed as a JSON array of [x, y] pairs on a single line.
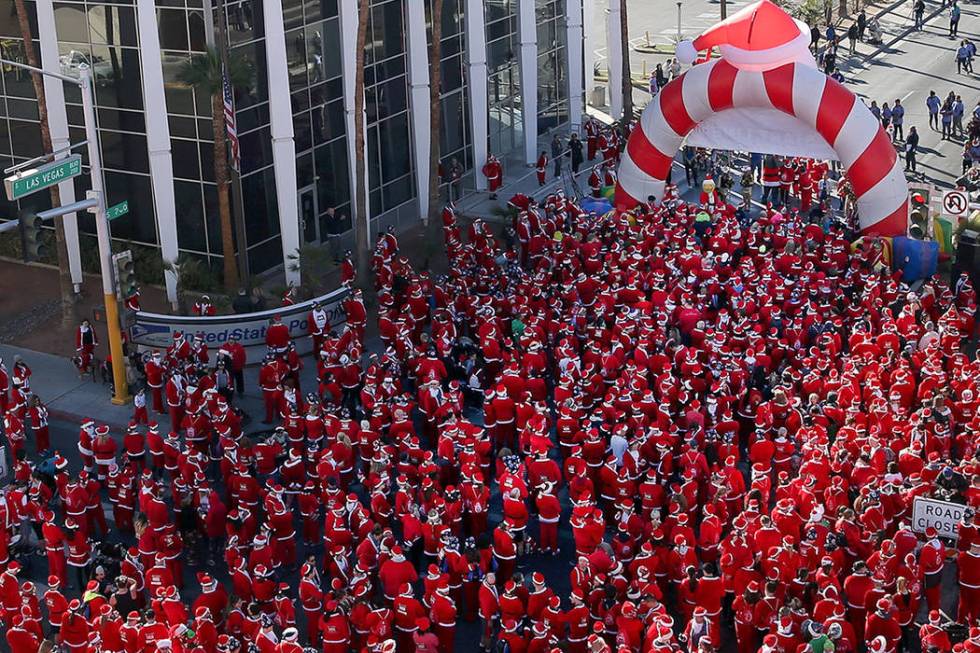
[[435, 117], [627, 77], [234, 175], [224, 203], [362, 246], [65, 285]]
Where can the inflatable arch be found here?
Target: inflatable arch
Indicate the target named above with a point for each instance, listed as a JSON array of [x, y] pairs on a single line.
[[817, 102]]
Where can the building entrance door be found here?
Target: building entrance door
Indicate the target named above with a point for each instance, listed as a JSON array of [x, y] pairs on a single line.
[[308, 219]]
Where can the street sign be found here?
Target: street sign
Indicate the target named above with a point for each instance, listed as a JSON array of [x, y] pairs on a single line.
[[944, 516], [955, 202], [117, 210], [27, 182]]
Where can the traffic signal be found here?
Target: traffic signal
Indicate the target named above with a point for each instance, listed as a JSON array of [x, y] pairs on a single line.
[[125, 273], [30, 237], [919, 212]]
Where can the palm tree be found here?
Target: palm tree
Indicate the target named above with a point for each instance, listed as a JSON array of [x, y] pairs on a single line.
[[361, 245], [435, 117], [627, 75], [204, 73], [68, 296]]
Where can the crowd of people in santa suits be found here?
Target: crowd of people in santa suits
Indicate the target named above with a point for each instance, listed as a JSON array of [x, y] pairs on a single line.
[[724, 429]]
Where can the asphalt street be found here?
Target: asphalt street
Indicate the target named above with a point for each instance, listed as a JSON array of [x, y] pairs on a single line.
[[920, 62]]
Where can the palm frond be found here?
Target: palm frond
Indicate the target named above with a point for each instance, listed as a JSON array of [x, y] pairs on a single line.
[[203, 72]]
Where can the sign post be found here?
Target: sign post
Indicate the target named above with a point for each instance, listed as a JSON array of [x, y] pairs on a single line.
[[28, 182], [944, 516]]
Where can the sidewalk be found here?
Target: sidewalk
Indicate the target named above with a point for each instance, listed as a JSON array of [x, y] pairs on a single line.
[[55, 380]]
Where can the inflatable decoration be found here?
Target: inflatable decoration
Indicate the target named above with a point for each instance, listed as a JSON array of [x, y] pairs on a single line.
[[765, 94], [596, 205]]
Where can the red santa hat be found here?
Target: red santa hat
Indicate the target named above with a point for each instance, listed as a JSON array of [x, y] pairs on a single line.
[[760, 36]]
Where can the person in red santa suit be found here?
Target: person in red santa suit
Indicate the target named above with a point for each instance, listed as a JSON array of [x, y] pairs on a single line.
[[933, 636], [968, 565], [203, 307], [334, 629], [493, 171], [549, 513], [270, 383], [932, 559], [709, 198], [697, 628], [541, 168], [154, 370], [356, 314], [591, 129], [277, 336], [443, 613], [595, 181], [86, 341], [176, 392]]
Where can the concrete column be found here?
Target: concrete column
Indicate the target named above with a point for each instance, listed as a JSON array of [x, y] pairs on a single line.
[[158, 139], [588, 46], [528, 35], [418, 79], [283, 144], [573, 49], [54, 93], [348, 59], [476, 63], [614, 51]]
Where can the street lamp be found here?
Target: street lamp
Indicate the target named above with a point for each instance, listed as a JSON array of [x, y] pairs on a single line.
[[678, 22], [96, 204]]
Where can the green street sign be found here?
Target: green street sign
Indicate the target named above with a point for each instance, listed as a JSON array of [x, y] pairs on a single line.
[[27, 182], [117, 210]]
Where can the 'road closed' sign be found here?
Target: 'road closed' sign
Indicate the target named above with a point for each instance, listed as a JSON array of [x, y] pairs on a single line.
[[941, 515]]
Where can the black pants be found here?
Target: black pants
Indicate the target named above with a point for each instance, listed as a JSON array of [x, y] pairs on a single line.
[[899, 132], [954, 26], [558, 166], [910, 160], [81, 574], [239, 376], [934, 120]]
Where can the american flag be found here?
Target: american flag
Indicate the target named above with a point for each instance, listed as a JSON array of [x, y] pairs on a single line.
[[230, 123]]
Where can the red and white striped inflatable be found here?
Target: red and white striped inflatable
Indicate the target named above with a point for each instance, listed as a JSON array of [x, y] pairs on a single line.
[[818, 102]]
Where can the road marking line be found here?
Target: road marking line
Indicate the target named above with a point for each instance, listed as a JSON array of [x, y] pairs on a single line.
[[907, 95]]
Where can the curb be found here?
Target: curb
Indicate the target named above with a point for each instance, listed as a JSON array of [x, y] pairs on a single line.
[[68, 416]]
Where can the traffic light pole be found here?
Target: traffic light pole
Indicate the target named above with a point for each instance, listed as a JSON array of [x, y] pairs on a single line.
[[121, 395], [97, 194]]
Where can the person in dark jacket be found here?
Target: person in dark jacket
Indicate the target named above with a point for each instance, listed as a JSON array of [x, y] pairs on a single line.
[[911, 145]]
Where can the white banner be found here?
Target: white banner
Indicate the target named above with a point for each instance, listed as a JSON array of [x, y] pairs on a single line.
[[944, 516], [766, 131], [155, 330]]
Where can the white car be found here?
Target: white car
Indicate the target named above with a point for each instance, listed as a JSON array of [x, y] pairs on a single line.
[[102, 70]]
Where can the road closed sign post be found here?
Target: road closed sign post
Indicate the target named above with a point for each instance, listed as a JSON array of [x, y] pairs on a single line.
[[944, 516]]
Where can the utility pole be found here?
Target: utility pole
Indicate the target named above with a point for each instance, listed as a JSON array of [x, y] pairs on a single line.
[[96, 202]]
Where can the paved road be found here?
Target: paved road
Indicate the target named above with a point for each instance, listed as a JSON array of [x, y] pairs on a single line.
[[921, 62]]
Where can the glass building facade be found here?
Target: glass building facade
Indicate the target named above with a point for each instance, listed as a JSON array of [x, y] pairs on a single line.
[[106, 36]]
